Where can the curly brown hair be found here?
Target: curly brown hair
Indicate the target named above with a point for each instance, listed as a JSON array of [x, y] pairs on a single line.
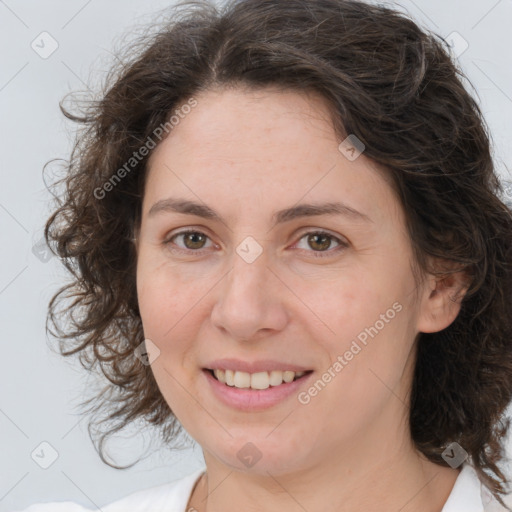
[[388, 81]]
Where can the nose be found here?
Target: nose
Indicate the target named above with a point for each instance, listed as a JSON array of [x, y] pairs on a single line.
[[250, 301]]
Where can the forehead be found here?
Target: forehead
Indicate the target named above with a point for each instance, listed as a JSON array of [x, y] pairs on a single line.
[[268, 147], [242, 123]]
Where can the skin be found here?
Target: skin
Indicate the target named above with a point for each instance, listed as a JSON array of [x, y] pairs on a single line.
[[247, 153]]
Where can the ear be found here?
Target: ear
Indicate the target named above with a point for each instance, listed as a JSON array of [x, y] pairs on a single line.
[[441, 299]]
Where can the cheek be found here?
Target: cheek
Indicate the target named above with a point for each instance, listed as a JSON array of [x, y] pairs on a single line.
[[366, 362], [367, 321], [166, 307], [165, 296], [349, 304]]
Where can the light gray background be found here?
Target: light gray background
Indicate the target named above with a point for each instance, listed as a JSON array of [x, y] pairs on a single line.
[[39, 389]]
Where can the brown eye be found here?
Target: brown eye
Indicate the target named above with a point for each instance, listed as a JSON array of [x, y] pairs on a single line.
[[192, 240], [321, 242]]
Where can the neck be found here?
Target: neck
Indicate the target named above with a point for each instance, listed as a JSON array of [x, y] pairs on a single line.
[[407, 483]]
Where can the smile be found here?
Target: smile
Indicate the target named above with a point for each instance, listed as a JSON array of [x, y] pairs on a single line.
[[258, 380]]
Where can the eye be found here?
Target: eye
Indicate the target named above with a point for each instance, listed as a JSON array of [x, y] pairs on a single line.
[[321, 241], [192, 240]]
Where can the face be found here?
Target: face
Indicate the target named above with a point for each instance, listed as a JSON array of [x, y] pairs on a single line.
[[330, 293]]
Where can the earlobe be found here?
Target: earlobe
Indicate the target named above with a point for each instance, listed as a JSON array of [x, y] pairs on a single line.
[[441, 301]]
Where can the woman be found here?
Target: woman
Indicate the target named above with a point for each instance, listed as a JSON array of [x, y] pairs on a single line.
[[286, 236]]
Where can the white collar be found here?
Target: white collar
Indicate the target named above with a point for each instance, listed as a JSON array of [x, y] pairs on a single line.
[[470, 495]]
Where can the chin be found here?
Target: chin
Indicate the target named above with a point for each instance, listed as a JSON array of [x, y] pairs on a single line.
[[260, 457]]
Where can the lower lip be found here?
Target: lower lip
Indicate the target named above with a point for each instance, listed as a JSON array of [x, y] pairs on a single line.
[[247, 399]]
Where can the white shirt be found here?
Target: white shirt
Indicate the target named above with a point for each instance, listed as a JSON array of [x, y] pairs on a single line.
[[468, 495]]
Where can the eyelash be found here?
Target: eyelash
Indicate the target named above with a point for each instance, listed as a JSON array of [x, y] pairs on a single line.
[[317, 254]]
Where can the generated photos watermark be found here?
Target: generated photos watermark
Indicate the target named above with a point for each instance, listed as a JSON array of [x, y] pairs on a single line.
[[304, 397], [150, 143]]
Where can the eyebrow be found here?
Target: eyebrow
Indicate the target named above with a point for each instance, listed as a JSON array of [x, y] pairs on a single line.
[[301, 210]]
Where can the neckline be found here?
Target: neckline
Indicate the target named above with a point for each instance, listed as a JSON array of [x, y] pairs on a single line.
[[194, 482], [465, 490]]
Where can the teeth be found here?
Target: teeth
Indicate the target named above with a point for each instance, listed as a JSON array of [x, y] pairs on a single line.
[[260, 380], [242, 380], [228, 377], [276, 378]]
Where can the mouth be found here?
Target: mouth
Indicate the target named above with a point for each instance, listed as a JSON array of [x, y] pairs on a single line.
[[256, 381]]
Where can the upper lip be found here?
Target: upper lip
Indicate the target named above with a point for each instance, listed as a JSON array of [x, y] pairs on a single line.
[[254, 366]]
